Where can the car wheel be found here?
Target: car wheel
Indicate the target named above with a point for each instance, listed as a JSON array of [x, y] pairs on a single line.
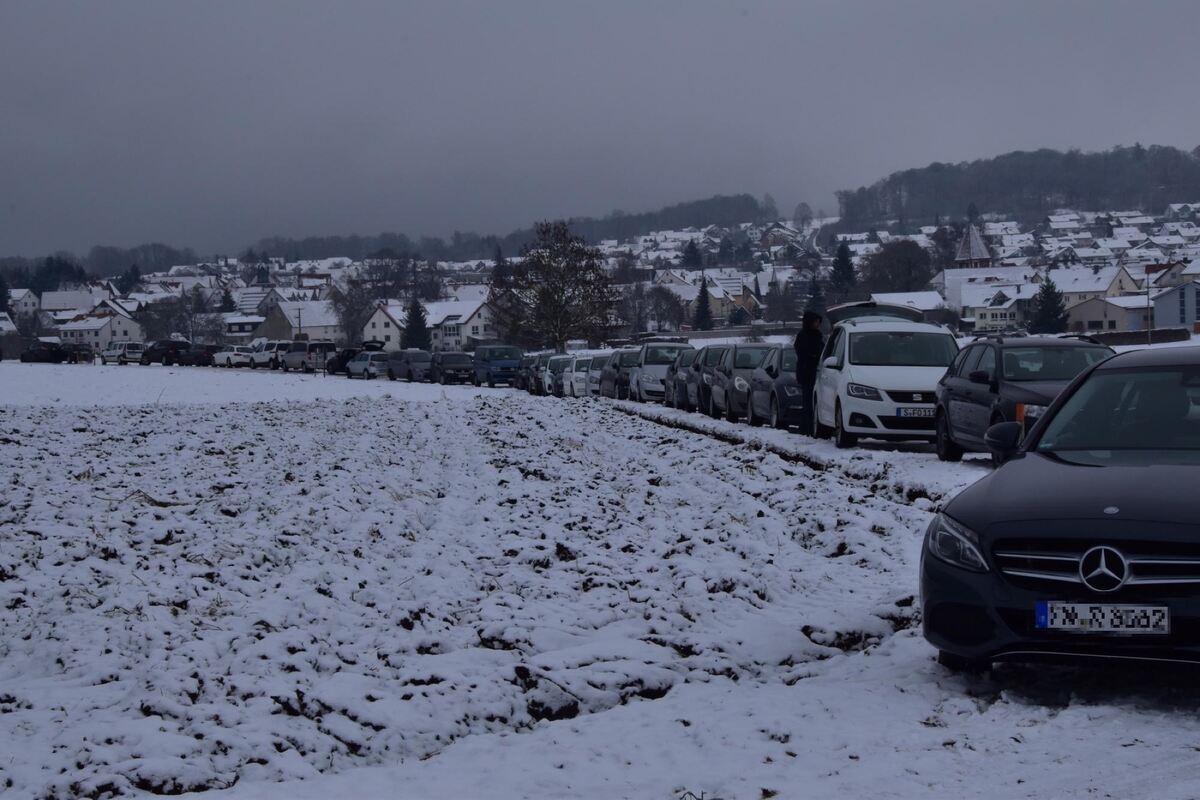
[[103, 361], [776, 418], [947, 448], [253, 364], [274, 363], [285, 366], [491, 384], [730, 414], [818, 431], [712, 407], [969, 666], [840, 437], [304, 367], [751, 419]]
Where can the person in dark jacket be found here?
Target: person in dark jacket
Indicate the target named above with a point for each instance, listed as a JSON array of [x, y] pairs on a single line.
[[809, 344]]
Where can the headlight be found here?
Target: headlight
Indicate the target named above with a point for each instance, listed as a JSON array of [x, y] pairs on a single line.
[[741, 385], [951, 542], [791, 391], [862, 392]]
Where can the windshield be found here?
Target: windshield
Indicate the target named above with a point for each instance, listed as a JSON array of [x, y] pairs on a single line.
[[749, 357], [557, 365], [902, 349], [713, 355], [133, 348], [788, 362], [499, 354], [1148, 409], [598, 362], [456, 359], [582, 364], [629, 358], [420, 358], [1050, 363], [661, 354]]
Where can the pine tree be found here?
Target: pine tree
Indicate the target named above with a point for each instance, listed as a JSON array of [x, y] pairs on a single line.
[[416, 327], [1048, 313], [703, 320], [842, 277], [227, 303], [692, 257], [3, 295]]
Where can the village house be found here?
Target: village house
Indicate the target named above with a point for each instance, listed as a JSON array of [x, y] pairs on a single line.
[[1129, 313], [309, 319], [988, 307], [1083, 283], [22, 302], [101, 327], [1177, 307]]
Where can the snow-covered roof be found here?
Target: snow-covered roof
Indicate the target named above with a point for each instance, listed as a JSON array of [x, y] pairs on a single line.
[[78, 298], [309, 313], [1084, 279], [972, 248], [1131, 301], [922, 301], [451, 311]]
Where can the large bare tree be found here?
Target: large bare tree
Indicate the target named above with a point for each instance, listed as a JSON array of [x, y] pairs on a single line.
[[559, 291]]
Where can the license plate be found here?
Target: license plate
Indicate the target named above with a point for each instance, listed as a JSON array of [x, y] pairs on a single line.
[[1101, 618], [914, 412]]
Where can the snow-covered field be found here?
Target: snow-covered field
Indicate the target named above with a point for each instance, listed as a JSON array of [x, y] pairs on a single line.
[[221, 580]]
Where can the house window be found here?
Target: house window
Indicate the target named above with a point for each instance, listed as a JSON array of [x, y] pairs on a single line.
[[1112, 324], [387, 337], [1095, 325], [474, 330], [372, 325], [1182, 307], [387, 324]]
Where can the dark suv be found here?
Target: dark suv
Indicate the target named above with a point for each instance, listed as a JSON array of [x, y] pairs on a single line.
[[1004, 379], [452, 367], [1085, 541], [164, 351]]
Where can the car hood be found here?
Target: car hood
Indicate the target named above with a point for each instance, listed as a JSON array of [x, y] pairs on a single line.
[[897, 378], [657, 370], [1035, 392], [1043, 487]]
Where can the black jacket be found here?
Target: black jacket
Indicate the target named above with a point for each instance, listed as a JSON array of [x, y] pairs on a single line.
[[809, 344]]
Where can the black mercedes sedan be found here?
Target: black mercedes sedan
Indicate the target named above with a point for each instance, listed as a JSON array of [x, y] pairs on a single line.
[[1004, 379], [1085, 542]]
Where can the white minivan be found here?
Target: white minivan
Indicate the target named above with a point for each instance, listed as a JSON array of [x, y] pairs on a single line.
[[122, 353], [878, 377]]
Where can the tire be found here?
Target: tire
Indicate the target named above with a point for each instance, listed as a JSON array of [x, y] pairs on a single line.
[[274, 363], [841, 438], [410, 376], [228, 364], [253, 364], [304, 367], [818, 431], [391, 375], [285, 366], [947, 448], [730, 414], [960, 664], [491, 384], [751, 420], [442, 379], [103, 361], [776, 418], [712, 407]]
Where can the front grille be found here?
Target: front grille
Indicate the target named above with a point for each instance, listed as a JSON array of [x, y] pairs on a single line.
[[911, 397], [907, 423], [1057, 561]]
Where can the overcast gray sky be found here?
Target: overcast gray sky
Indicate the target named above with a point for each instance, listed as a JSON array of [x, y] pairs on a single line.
[[211, 124]]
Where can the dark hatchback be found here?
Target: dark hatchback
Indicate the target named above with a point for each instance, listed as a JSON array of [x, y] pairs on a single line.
[[730, 389], [1004, 379], [450, 367], [775, 396], [164, 351], [1086, 541], [45, 353], [676, 394], [699, 382], [198, 355]]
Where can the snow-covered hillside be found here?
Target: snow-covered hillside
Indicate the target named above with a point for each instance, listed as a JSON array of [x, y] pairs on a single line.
[[464, 593]]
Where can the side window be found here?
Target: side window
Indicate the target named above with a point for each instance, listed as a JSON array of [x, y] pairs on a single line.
[[831, 345], [839, 347], [987, 361]]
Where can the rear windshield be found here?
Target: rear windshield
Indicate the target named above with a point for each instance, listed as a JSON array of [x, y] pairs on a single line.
[[628, 359], [902, 349], [713, 355], [1050, 363], [379, 356], [420, 358], [133, 348], [749, 357], [661, 354]]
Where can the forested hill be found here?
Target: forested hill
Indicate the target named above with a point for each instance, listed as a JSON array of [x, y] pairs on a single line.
[[724, 210], [1028, 185]]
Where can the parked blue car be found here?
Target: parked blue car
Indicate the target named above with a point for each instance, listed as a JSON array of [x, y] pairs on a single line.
[[496, 363]]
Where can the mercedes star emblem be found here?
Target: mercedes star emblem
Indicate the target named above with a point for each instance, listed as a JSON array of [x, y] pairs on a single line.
[[1103, 569], [1112, 510]]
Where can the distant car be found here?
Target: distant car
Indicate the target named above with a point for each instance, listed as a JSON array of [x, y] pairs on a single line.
[[79, 353], [496, 363], [575, 377], [729, 392], [675, 382], [307, 355], [552, 376], [163, 351], [522, 379], [409, 365], [537, 381], [1005, 379], [595, 371], [233, 356], [368, 365], [336, 363], [614, 380], [699, 382], [878, 377], [647, 375], [121, 352], [44, 353], [198, 355], [775, 396], [452, 367], [268, 354]]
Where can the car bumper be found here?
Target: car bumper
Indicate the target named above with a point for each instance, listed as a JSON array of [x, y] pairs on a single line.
[[882, 418], [982, 616], [653, 390]]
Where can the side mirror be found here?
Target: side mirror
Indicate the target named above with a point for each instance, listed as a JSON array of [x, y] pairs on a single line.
[[830, 363], [770, 370], [1003, 439], [981, 377]]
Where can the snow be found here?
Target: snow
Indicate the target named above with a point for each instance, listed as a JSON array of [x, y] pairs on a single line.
[[225, 579]]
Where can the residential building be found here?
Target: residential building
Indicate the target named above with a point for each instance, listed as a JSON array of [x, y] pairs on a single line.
[[1130, 313], [101, 327], [22, 302], [1083, 283], [1177, 307], [310, 319]]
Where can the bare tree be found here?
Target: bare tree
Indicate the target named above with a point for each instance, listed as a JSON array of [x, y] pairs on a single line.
[[558, 292], [634, 307], [666, 308]]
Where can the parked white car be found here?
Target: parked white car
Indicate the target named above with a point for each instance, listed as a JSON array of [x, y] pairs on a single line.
[[268, 354], [233, 356], [122, 353], [368, 365], [575, 377], [878, 377]]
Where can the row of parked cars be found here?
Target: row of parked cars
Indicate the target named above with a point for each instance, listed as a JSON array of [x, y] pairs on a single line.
[[883, 374]]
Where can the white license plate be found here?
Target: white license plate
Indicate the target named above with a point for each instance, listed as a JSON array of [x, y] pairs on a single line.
[[1101, 618], [914, 412]]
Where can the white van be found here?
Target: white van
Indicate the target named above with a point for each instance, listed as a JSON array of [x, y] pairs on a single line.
[[122, 353], [878, 378]]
